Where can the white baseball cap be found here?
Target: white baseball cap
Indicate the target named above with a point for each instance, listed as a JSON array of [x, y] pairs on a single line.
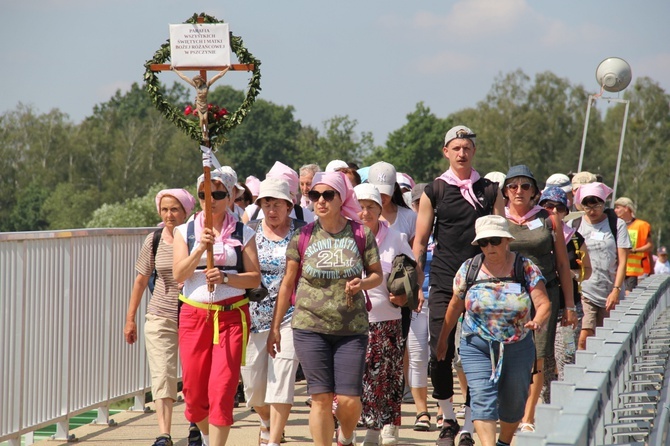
[[383, 175]]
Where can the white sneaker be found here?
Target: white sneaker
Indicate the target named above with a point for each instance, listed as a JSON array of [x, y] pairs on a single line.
[[389, 435]]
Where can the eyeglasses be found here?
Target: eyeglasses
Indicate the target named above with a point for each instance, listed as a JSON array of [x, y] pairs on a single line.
[[239, 199], [328, 195], [515, 186], [594, 207], [559, 207], [216, 194], [494, 241]]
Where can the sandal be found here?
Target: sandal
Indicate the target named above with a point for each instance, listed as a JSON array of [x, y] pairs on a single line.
[[440, 421], [526, 427], [422, 425]]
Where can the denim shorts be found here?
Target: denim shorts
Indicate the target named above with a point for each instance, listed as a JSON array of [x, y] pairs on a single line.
[[506, 399], [331, 364]]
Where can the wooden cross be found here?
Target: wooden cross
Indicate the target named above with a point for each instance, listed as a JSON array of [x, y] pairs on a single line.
[[205, 167]]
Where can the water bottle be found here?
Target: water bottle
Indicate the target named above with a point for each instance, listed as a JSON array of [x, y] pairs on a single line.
[[568, 337]]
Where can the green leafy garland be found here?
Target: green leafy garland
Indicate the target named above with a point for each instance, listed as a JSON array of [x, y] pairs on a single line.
[[218, 128]]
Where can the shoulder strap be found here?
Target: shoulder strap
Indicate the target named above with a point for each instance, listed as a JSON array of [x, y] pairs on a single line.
[[490, 196], [359, 236], [254, 216], [253, 224], [238, 234], [190, 235], [576, 223], [438, 192], [473, 270], [299, 215], [303, 240], [154, 243], [612, 220], [519, 273], [438, 195]]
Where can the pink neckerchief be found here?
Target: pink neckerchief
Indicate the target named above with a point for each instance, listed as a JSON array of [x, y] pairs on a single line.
[[568, 232], [227, 228], [522, 220], [382, 232], [465, 186]]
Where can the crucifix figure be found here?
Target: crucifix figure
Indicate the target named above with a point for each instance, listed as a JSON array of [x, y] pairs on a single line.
[[201, 89]]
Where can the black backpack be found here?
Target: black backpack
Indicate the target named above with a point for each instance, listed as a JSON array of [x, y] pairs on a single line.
[[490, 194], [476, 265], [154, 249]]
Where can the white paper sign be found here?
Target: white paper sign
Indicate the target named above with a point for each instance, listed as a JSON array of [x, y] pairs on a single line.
[[200, 45]]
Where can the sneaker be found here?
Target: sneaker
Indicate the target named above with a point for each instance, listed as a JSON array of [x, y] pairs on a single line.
[[339, 443], [194, 437], [163, 440], [448, 433], [389, 434], [466, 439]]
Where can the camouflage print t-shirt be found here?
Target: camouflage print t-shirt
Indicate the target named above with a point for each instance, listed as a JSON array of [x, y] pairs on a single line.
[[330, 261]]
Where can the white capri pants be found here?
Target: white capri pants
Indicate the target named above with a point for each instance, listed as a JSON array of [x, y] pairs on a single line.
[[270, 380], [418, 348]]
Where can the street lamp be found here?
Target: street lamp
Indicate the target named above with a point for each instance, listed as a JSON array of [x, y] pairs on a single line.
[[613, 75]]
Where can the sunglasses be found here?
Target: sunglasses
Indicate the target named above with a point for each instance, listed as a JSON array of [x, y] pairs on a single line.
[[216, 194], [515, 186], [239, 199], [328, 195], [559, 207], [494, 241]]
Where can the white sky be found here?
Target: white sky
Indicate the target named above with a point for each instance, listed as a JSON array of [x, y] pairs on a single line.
[[370, 59]]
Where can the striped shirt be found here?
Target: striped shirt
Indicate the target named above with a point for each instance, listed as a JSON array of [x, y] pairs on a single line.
[[164, 301]]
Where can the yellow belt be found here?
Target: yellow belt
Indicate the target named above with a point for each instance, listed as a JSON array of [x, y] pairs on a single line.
[[234, 306]]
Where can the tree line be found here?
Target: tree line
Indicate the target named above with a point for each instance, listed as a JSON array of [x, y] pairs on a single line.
[[105, 170]]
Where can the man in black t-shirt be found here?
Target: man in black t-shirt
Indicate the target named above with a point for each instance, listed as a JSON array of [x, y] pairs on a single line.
[[452, 202]]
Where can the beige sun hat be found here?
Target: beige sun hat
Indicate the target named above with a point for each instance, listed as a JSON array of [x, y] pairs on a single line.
[[274, 188], [491, 226]]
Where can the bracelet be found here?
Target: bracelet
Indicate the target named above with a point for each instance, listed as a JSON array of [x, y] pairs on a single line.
[[616, 287], [573, 309]]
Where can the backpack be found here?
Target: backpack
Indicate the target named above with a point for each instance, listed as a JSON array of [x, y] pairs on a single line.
[[154, 249], [476, 265], [490, 195], [303, 241], [299, 215], [238, 234], [611, 220], [404, 279]]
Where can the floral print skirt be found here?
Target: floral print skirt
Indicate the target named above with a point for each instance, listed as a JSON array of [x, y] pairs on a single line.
[[382, 379]]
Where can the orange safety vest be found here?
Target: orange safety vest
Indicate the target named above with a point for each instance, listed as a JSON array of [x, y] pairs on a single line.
[[639, 263]]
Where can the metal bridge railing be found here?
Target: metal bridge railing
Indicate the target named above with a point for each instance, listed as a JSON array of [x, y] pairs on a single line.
[[63, 299], [617, 392]]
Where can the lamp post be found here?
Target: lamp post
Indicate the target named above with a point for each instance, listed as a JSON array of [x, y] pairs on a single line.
[[613, 75]]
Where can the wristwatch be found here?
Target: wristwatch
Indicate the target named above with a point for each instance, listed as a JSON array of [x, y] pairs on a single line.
[[617, 287], [225, 277]]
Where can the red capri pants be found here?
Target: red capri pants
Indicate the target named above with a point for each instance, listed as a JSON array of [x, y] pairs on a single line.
[[211, 371]]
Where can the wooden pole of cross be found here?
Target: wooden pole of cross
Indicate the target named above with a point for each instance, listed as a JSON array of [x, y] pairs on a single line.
[[205, 134]]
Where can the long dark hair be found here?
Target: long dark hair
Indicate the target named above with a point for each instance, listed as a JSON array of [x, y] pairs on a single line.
[[397, 197]]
